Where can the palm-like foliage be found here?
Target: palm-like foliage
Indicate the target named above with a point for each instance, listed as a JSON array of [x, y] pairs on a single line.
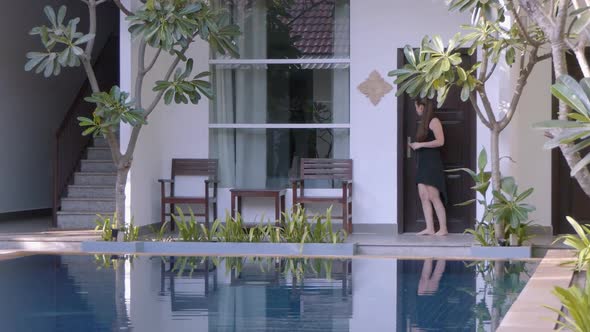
[[576, 304], [576, 130], [580, 242], [62, 42]]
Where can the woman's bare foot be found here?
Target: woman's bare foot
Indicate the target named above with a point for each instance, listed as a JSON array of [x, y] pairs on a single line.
[[441, 233], [426, 232]]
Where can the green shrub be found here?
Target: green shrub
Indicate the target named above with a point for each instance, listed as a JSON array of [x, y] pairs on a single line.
[[105, 226], [188, 230], [580, 242], [575, 314], [130, 232]]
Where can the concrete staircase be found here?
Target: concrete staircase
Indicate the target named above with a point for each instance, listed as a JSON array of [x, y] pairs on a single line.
[[92, 191]]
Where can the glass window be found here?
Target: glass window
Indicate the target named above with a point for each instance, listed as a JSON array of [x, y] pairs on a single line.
[[287, 97], [308, 93], [291, 29], [268, 158]]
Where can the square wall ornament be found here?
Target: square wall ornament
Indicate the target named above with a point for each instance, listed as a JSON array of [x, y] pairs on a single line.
[[375, 87]]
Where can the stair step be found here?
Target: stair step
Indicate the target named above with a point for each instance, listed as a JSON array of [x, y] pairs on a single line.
[[100, 166], [99, 154], [100, 142], [79, 220], [103, 179], [87, 204], [89, 191]]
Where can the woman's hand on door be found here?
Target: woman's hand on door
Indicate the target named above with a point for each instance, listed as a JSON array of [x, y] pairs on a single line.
[[415, 145]]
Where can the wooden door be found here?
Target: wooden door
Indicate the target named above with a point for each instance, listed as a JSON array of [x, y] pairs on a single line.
[[458, 119], [567, 196]]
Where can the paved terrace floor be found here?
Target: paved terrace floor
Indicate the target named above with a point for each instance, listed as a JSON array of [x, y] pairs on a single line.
[[36, 234]]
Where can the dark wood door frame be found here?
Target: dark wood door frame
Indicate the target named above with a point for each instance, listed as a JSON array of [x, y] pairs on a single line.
[[401, 146]]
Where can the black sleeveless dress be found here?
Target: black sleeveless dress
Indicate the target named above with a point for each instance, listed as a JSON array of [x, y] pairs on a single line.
[[430, 170]]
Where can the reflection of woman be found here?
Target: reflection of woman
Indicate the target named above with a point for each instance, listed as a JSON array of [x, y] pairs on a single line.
[[430, 174], [429, 279]]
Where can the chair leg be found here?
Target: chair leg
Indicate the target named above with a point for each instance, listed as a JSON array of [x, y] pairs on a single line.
[[207, 214], [214, 211], [162, 213], [345, 217], [350, 217], [172, 223]]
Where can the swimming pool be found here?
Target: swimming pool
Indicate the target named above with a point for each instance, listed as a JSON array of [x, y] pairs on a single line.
[[96, 293]]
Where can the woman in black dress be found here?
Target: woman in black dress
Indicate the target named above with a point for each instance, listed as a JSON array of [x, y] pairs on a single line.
[[430, 175]]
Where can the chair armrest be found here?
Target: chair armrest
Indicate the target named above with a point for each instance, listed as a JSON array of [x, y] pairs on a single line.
[[295, 180], [165, 181], [207, 181], [347, 181]]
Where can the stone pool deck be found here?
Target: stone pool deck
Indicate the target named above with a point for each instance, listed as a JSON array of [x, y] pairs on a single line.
[[35, 235], [528, 312]]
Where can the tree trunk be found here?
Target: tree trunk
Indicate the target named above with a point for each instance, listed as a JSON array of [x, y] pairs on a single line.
[[122, 173], [496, 175]]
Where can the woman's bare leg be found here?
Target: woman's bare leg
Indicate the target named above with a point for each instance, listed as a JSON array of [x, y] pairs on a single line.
[[439, 207], [427, 208]]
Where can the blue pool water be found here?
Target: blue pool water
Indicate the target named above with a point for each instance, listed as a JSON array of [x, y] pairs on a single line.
[[87, 293]]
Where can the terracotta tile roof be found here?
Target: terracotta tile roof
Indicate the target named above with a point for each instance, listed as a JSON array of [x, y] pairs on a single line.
[[314, 27]]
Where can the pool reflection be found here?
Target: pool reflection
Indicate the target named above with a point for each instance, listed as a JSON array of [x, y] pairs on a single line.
[[104, 293]]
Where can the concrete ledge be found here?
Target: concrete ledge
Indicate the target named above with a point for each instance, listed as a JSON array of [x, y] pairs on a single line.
[[527, 312], [221, 248], [105, 247], [502, 252]]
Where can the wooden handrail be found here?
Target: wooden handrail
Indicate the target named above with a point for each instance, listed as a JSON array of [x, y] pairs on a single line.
[[69, 144]]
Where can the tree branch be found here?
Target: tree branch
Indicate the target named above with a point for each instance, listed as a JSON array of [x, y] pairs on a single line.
[[520, 84], [473, 100], [153, 62], [490, 73], [580, 52], [140, 73], [483, 70], [91, 27], [521, 28], [487, 106], [158, 97], [125, 11]]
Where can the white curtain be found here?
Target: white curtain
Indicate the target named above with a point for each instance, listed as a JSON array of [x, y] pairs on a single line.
[[241, 98]]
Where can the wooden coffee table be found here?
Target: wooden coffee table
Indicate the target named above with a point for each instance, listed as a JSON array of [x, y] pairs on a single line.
[[277, 194]]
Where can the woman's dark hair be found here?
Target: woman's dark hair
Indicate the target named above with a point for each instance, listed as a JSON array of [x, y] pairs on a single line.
[[425, 118]]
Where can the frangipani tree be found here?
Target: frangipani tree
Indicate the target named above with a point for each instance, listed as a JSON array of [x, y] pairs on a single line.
[[434, 68], [566, 23], [169, 26]]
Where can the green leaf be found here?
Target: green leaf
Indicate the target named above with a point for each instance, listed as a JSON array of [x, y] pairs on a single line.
[[50, 13], [84, 39], [482, 160], [580, 165]]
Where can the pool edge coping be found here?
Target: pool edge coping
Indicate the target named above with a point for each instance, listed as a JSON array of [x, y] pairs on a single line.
[[528, 311]]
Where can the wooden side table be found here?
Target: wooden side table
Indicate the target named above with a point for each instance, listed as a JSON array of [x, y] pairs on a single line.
[[277, 194]]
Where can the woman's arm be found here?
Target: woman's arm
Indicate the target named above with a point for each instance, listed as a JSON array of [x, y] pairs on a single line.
[[439, 136]]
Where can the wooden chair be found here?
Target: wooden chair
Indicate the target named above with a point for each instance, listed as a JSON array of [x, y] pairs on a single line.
[[326, 169], [191, 167]]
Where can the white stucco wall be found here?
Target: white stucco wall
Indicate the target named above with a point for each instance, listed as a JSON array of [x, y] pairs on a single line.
[[33, 106], [378, 29]]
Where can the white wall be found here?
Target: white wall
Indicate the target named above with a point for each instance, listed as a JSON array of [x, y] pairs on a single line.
[[32, 106], [182, 130], [378, 29], [532, 167]]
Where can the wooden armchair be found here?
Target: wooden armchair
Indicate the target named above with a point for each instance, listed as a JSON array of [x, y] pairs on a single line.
[[326, 169], [191, 167]]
